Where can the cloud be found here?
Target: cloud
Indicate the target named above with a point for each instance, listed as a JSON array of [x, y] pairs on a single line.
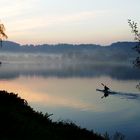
[[45, 21], [25, 20], [12, 10], [74, 17]]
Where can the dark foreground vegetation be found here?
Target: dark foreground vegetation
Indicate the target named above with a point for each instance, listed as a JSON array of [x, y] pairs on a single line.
[[19, 121]]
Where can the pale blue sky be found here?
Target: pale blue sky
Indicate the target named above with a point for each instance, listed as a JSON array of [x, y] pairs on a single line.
[[69, 21]]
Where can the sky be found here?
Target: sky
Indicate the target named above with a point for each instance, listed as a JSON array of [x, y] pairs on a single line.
[[69, 21]]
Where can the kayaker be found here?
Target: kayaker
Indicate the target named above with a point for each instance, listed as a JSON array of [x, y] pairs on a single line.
[[105, 87]]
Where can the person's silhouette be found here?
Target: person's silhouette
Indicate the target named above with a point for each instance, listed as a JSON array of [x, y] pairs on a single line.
[[105, 94], [106, 89]]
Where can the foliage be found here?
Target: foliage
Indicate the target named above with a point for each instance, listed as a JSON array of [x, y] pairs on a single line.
[[106, 136], [134, 28], [136, 32], [18, 121], [2, 33], [118, 136]]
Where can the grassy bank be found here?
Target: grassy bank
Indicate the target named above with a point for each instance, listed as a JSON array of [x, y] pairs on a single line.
[[19, 121]]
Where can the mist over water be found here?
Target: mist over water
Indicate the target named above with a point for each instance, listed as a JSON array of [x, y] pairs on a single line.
[[62, 66], [65, 85]]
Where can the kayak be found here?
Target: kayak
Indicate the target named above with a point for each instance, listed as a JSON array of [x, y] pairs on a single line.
[[125, 95], [107, 92]]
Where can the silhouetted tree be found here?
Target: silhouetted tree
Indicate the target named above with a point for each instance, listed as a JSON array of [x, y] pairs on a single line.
[[118, 136], [2, 33], [136, 32], [106, 136]]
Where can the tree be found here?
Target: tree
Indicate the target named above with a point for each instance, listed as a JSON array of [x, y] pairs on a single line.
[[136, 33], [118, 136], [2, 33]]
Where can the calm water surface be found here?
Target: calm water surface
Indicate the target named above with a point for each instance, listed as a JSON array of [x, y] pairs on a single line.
[[70, 94]]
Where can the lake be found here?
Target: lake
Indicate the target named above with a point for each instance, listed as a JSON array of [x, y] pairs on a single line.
[[68, 90]]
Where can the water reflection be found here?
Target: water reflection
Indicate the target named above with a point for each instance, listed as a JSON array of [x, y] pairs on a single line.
[[120, 72], [69, 92], [52, 92], [120, 94], [76, 99]]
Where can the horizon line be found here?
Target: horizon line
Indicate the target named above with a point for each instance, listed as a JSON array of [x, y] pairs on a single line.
[[64, 43]]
